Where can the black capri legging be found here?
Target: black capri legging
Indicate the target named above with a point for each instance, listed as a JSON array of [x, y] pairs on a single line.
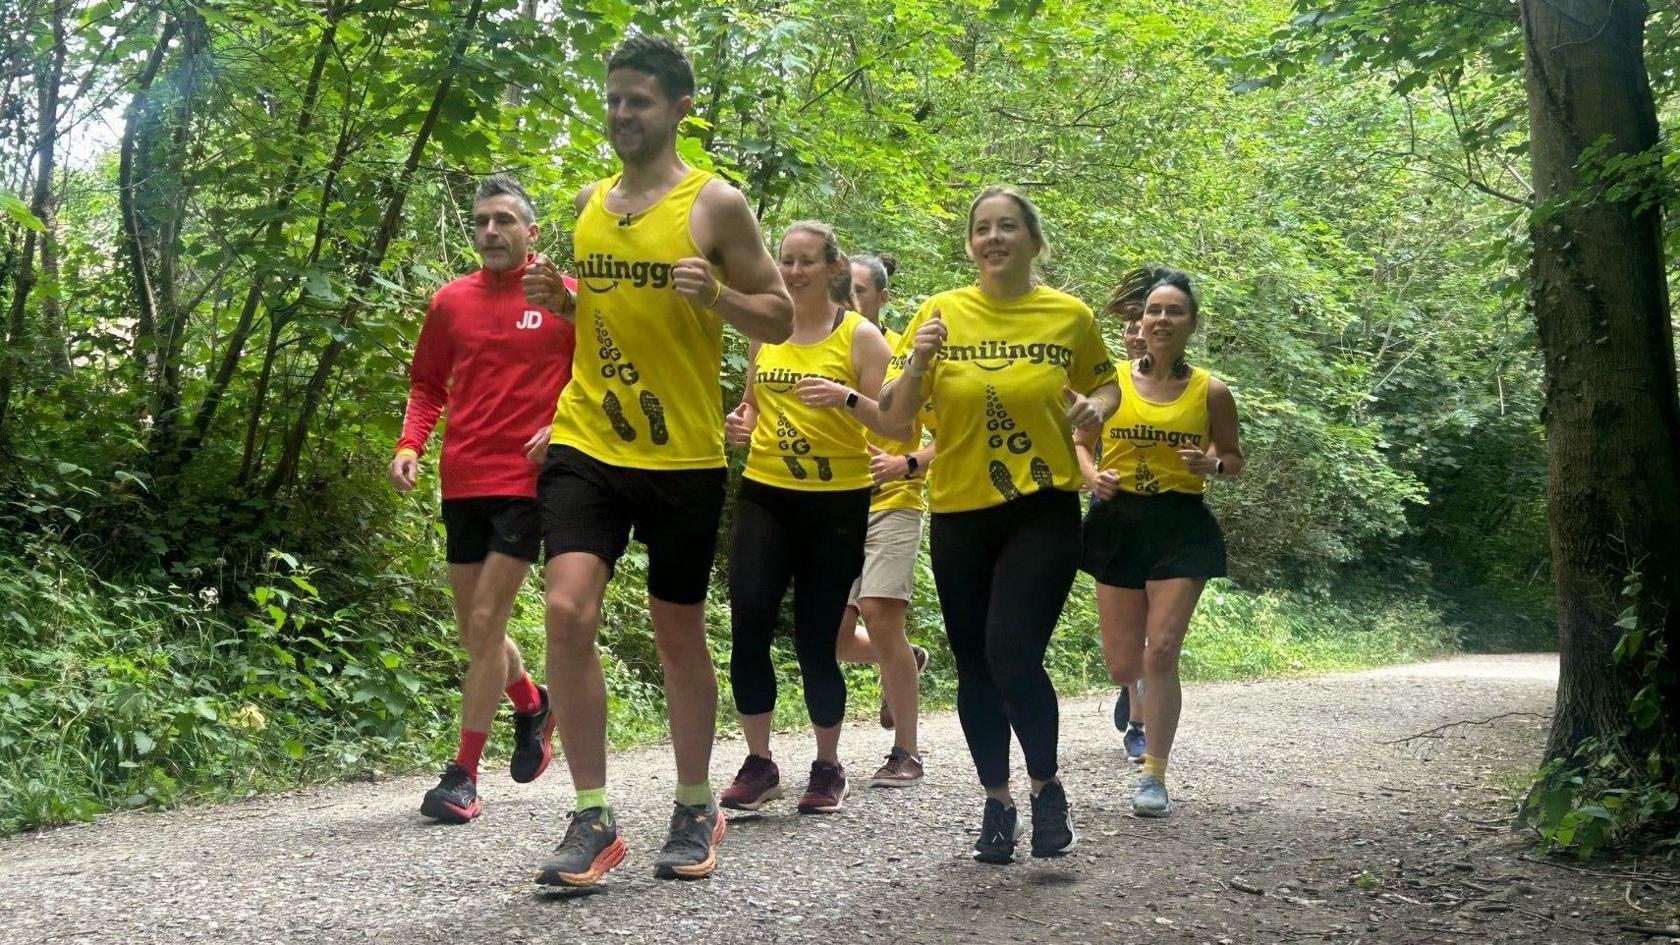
[[1003, 575], [814, 539]]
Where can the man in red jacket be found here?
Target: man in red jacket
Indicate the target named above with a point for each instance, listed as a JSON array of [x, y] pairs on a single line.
[[498, 363]]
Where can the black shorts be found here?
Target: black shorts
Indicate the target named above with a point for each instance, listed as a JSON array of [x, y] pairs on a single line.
[[506, 524], [590, 506], [1131, 539]]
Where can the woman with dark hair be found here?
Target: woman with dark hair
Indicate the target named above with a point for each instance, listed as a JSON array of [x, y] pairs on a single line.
[[802, 510], [1126, 304], [1010, 367], [1152, 543]]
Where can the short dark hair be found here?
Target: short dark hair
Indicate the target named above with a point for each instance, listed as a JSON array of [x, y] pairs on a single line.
[[658, 57], [1179, 280], [498, 184]]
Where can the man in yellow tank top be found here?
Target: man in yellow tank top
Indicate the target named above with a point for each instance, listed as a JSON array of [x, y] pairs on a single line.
[[664, 255]]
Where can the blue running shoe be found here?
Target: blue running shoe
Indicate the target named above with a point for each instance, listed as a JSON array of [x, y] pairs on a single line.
[[1151, 798], [1134, 742]]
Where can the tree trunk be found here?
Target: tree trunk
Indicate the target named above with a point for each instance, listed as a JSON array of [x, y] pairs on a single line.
[[205, 414], [1601, 301], [46, 148], [130, 240], [292, 449]]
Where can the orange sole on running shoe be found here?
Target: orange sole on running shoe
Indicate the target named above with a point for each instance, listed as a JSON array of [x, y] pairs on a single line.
[[704, 868], [610, 856]]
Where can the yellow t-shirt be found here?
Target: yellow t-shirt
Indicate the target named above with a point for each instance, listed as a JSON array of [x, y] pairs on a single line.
[[645, 389], [900, 493], [810, 449], [1140, 443], [997, 392]]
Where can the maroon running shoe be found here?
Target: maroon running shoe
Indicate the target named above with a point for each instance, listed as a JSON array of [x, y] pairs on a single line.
[[757, 783]]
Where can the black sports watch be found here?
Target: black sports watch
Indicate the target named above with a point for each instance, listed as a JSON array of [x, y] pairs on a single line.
[[851, 400], [910, 465]]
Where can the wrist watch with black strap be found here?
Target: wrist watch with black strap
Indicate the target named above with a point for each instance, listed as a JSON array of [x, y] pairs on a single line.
[[911, 464]]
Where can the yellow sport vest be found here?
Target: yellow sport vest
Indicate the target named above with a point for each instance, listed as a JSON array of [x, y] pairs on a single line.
[[645, 389], [814, 449], [1140, 443]]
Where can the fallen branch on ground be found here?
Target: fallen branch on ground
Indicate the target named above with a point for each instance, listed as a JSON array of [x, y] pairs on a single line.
[[1439, 731]]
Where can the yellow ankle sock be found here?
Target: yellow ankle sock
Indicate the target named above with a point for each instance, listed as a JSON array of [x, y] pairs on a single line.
[[1155, 766]]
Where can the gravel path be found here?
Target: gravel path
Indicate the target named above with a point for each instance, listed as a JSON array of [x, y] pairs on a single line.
[[1285, 787]]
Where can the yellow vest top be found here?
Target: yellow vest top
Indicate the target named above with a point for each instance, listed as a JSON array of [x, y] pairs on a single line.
[[997, 393], [1140, 443], [900, 493], [645, 389], [811, 449]]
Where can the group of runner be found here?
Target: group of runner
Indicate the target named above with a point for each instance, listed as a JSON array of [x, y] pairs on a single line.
[[569, 446]]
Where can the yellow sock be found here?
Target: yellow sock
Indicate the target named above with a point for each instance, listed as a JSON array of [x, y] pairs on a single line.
[[1155, 766], [694, 795]]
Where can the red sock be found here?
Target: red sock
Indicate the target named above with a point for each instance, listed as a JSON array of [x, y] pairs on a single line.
[[472, 745], [526, 698]]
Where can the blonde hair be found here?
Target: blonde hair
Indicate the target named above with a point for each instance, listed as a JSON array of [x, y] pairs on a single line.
[[1029, 214]]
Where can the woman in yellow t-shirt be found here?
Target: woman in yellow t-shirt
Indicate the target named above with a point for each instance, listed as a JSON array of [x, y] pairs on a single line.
[[1125, 304], [802, 511], [1151, 543], [1010, 367]]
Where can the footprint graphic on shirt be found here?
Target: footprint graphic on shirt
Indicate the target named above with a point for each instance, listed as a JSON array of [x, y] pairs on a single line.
[[1040, 471], [825, 472], [655, 412], [1000, 426], [615, 415], [1145, 482], [792, 445], [1002, 481]]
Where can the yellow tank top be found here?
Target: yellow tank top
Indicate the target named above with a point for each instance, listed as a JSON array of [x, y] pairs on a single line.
[[810, 449], [1141, 441], [645, 389], [899, 493]]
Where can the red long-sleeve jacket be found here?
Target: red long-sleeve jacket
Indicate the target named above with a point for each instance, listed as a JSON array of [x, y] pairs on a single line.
[[498, 364]]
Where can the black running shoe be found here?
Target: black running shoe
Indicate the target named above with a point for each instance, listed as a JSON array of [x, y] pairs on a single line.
[[1052, 828], [533, 741], [1000, 827], [590, 848], [1123, 709], [690, 850], [455, 799]]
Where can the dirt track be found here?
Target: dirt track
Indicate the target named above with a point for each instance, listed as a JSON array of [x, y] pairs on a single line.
[[1284, 787]]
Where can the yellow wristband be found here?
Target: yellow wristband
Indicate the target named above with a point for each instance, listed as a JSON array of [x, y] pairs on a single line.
[[409, 452], [713, 303]]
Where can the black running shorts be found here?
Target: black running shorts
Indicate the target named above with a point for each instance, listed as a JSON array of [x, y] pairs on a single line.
[[590, 506], [509, 525], [1132, 539]]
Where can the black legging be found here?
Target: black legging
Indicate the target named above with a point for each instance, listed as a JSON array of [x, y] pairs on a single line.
[[1003, 575], [814, 539]]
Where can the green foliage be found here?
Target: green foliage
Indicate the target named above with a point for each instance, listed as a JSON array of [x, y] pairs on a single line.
[[1602, 795], [1364, 305]]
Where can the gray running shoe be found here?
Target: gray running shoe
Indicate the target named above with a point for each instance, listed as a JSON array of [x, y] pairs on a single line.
[[1151, 798], [690, 850]]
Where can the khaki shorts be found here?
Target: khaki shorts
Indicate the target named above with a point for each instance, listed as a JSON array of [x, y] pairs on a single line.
[[889, 556]]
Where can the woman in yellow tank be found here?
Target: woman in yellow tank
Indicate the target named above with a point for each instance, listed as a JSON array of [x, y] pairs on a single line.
[[802, 511], [1010, 366], [1151, 543]]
